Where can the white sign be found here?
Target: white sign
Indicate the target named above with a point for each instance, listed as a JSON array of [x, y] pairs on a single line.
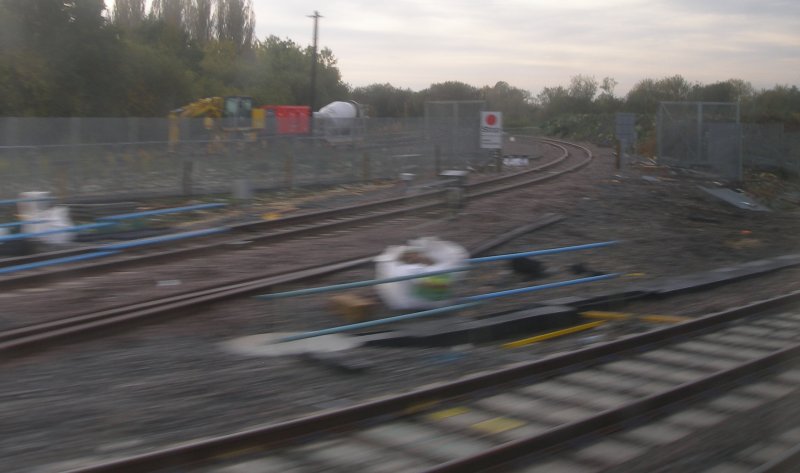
[[491, 130]]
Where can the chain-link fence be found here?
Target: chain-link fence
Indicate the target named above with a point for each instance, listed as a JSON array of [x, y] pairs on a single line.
[[454, 128], [701, 134], [84, 158], [770, 146], [710, 136]]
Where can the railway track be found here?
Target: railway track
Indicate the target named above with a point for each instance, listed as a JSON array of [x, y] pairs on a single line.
[[313, 223], [22, 340], [718, 393]]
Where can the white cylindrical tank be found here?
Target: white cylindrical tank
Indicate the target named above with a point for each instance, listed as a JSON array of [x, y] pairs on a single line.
[[346, 110], [337, 118]]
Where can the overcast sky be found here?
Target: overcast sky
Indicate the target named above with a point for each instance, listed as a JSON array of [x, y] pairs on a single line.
[[535, 43]]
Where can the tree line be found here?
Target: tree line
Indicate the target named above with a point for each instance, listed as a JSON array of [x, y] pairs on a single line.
[[80, 58]]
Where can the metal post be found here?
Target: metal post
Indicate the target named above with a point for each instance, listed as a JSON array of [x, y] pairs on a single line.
[[659, 132], [366, 174], [700, 132], [740, 168], [455, 130], [316, 16]]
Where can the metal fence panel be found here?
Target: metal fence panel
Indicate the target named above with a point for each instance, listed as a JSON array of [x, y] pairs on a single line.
[[454, 127], [87, 158], [684, 130]]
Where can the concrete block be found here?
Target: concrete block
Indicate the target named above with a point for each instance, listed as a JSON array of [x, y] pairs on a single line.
[[610, 452], [701, 349], [353, 308], [557, 391], [513, 405], [355, 454], [659, 433], [425, 441], [681, 359], [736, 403], [765, 453], [749, 330], [602, 380], [730, 467], [791, 436], [653, 371], [566, 415], [399, 433], [768, 390], [790, 377], [748, 342], [603, 401], [560, 466], [696, 418], [261, 465], [778, 324]]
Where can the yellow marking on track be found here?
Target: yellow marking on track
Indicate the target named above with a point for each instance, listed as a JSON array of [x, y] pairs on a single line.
[[271, 216], [444, 414], [652, 318], [664, 319], [422, 406], [557, 333], [601, 314], [498, 425]]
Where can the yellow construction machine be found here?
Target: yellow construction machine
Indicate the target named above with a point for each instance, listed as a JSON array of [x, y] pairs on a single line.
[[223, 118]]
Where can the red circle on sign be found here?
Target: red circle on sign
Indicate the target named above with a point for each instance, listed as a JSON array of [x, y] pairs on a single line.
[[491, 119]]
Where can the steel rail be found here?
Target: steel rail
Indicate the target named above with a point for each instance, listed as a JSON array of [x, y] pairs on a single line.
[[245, 228], [23, 340], [340, 420]]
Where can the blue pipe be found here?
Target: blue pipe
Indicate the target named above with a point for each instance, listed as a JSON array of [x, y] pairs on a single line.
[[541, 287], [373, 323], [51, 262], [19, 224], [375, 282], [14, 201], [149, 213], [352, 285], [164, 238], [77, 228], [468, 302], [551, 251]]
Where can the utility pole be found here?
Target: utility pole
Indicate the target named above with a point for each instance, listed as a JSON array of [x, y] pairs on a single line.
[[316, 16]]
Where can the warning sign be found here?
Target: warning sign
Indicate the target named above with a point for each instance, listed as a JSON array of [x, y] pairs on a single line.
[[491, 130]]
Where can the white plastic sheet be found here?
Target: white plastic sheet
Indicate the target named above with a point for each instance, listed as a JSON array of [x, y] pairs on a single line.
[[427, 255]]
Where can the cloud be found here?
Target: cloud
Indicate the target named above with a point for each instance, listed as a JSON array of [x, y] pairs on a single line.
[[537, 43]]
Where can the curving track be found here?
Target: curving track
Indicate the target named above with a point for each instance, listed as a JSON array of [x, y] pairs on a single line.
[[20, 340], [304, 225]]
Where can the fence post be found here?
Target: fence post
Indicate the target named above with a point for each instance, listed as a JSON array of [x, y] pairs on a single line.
[[366, 174], [133, 129], [186, 176], [437, 159], [288, 169], [659, 132], [11, 131]]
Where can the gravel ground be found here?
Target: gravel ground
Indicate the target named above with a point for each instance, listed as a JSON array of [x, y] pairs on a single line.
[[171, 382]]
